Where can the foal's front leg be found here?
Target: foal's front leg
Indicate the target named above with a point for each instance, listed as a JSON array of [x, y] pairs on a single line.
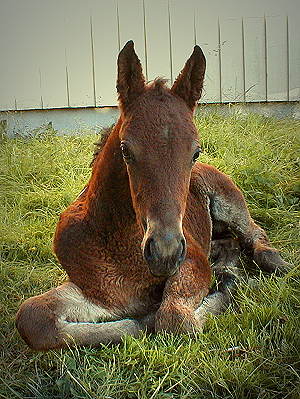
[[63, 316], [183, 293]]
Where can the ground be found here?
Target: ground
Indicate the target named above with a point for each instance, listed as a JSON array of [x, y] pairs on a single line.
[[251, 351]]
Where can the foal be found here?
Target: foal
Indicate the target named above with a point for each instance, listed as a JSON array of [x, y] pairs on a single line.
[[135, 244]]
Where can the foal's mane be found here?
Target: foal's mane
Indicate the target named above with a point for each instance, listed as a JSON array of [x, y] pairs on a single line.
[[101, 143], [158, 86]]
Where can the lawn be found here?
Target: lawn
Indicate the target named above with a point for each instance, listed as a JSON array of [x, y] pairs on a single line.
[[251, 351]]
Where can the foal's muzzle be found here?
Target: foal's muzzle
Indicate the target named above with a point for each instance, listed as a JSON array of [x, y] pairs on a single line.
[[164, 252]]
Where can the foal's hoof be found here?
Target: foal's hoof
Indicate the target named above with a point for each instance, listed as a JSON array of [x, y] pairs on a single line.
[[178, 322], [228, 280], [270, 261]]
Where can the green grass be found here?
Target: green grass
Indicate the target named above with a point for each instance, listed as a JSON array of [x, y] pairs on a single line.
[[40, 176]]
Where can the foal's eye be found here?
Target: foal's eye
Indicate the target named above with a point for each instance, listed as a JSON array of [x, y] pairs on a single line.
[[196, 154], [127, 156]]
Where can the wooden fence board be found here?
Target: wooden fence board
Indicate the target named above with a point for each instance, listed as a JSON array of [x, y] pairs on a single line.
[[232, 60], [20, 78], [255, 71], [52, 61], [131, 22], [276, 58], [106, 49], [207, 37], [294, 55], [182, 20], [157, 37], [78, 52]]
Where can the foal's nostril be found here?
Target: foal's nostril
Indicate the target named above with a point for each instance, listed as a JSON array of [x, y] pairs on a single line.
[[181, 250], [149, 250], [144, 224]]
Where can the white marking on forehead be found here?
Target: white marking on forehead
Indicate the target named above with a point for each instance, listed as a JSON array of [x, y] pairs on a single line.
[[166, 132]]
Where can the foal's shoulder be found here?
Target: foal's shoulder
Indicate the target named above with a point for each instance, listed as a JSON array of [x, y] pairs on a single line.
[[71, 227], [207, 178], [205, 171]]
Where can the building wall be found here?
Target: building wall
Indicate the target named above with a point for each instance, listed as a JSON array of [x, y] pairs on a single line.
[[62, 53]]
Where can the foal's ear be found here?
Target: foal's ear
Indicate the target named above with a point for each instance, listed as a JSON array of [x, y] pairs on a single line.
[[189, 82], [131, 81]]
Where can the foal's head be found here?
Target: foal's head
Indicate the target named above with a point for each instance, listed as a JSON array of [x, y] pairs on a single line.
[[159, 143]]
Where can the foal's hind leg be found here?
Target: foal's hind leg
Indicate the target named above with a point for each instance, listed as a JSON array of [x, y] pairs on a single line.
[[63, 316], [228, 208], [225, 258]]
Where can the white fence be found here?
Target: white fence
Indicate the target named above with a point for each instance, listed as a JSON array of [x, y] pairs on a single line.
[[62, 53]]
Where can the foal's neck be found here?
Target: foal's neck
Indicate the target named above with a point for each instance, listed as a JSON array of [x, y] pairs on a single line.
[[109, 205]]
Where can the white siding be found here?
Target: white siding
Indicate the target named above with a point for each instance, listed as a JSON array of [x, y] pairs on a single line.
[[294, 55], [276, 58], [255, 49], [158, 40], [62, 53], [232, 76]]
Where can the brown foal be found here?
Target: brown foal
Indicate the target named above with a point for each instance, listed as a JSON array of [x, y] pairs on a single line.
[[135, 244]]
